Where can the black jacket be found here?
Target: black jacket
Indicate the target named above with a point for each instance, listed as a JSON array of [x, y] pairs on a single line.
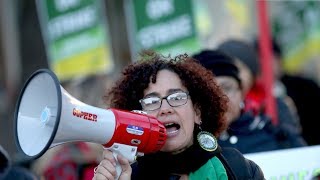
[[236, 165], [250, 134], [306, 95]]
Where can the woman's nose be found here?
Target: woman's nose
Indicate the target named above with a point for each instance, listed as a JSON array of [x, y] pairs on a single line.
[[165, 108]]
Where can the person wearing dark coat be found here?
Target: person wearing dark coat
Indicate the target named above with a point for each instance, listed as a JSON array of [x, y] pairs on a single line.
[[10, 170], [253, 88], [247, 131], [304, 92]]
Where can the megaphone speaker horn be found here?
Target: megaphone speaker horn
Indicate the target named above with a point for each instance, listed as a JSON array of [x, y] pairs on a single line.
[[47, 115], [37, 113]]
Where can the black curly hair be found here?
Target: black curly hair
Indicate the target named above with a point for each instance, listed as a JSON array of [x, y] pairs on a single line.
[[202, 88]]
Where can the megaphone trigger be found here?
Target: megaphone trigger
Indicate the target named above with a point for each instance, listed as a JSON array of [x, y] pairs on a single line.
[[129, 152]]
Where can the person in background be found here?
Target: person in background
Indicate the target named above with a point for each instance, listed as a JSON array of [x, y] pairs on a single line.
[[289, 129], [73, 161], [246, 132], [227, 76], [184, 96], [286, 107], [305, 94], [4, 163], [10, 170]]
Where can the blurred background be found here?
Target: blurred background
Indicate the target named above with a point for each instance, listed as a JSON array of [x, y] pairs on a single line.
[[87, 42]]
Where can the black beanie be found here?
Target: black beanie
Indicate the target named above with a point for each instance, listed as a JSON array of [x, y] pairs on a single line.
[[242, 51], [219, 63]]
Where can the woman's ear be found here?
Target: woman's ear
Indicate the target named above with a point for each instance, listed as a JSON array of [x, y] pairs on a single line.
[[197, 115]]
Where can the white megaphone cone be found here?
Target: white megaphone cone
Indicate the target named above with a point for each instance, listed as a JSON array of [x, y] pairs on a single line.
[[46, 116]]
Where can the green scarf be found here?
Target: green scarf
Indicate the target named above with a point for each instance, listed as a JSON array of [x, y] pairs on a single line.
[[212, 170]]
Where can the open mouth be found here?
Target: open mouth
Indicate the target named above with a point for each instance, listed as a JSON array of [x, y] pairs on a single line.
[[172, 128]]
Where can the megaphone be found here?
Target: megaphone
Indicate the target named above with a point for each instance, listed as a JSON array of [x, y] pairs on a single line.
[[46, 115]]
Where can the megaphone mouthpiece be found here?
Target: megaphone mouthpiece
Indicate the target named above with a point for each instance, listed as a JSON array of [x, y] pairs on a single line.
[[137, 129]]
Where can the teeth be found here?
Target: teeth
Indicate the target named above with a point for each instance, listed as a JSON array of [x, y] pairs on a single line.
[[168, 124], [171, 132]]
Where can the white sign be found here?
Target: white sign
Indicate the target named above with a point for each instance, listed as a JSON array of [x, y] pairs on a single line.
[[296, 163]]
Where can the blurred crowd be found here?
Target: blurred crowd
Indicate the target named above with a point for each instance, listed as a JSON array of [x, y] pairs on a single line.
[[236, 66]]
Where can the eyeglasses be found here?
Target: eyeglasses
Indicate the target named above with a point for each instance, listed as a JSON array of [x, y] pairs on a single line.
[[229, 89], [174, 100]]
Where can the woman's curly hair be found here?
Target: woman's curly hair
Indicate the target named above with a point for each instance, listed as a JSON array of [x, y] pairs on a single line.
[[202, 88]]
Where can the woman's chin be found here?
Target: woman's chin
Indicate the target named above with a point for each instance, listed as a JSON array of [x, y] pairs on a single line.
[[170, 147]]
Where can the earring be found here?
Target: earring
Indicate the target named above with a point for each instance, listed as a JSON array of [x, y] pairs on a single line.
[[206, 140]]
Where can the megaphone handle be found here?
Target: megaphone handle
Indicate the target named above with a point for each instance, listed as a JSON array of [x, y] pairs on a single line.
[[118, 167], [129, 152]]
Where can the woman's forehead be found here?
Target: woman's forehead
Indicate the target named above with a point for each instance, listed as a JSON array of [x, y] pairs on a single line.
[[166, 81]]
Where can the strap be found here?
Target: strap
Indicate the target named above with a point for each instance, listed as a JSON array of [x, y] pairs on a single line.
[[235, 164]]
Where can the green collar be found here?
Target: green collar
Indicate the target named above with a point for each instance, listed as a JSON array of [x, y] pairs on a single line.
[[212, 170]]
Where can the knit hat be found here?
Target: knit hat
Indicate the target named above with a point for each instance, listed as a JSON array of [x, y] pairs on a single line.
[[242, 51], [219, 63]]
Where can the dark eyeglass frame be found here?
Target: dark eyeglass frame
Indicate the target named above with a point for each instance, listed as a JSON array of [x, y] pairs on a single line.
[[166, 98]]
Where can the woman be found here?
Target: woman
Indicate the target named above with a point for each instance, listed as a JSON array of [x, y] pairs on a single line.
[[246, 132], [185, 98], [288, 129]]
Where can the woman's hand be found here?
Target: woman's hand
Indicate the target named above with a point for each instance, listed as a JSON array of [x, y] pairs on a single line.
[[107, 167]]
